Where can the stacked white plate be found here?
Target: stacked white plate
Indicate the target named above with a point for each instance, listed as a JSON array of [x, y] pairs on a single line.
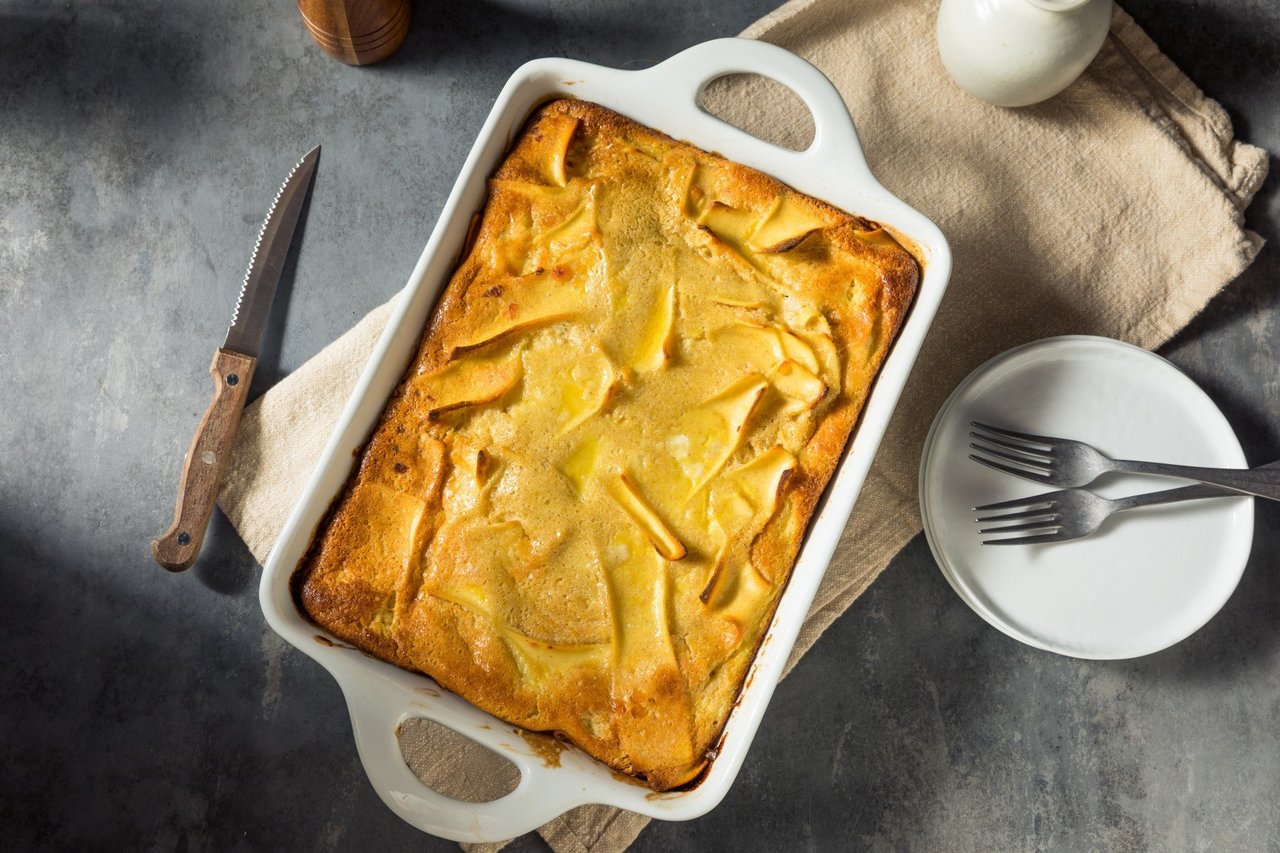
[[1150, 577]]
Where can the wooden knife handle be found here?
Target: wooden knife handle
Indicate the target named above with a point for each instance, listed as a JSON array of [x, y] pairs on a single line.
[[178, 548]]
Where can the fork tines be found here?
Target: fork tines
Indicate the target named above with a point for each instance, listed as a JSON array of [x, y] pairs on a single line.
[[1024, 455], [1037, 516]]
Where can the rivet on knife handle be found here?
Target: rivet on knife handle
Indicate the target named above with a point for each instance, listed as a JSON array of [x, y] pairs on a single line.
[[178, 548]]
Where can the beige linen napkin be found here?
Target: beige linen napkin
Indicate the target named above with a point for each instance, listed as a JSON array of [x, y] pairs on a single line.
[[1113, 209]]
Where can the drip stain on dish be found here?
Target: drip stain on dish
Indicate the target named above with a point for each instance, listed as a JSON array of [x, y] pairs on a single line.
[[325, 641], [547, 747], [629, 779]]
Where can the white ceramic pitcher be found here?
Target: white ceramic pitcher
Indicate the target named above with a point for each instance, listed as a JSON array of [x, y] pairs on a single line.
[[1018, 52]]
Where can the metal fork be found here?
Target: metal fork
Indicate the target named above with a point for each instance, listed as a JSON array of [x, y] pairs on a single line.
[[1065, 463], [1075, 513]]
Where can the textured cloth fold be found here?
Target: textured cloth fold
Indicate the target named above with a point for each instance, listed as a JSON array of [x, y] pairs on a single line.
[[1113, 209]]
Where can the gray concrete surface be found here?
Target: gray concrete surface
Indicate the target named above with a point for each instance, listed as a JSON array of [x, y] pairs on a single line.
[[139, 142]]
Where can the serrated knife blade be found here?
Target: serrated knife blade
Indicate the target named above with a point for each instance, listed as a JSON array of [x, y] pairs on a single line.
[[258, 289], [232, 369]]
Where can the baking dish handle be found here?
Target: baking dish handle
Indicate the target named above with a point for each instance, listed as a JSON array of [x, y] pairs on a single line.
[[376, 716], [835, 142]]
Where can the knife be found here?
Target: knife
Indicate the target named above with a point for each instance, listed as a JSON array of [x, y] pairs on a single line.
[[232, 369]]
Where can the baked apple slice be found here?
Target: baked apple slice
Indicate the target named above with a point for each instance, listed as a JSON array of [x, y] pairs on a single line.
[[657, 342], [470, 382], [623, 491], [715, 429], [782, 229], [519, 305]]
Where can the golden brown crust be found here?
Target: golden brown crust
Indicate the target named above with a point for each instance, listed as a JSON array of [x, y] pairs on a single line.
[[583, 501]]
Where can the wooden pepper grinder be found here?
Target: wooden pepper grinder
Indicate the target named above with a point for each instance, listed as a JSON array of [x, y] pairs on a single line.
[[357, 32]]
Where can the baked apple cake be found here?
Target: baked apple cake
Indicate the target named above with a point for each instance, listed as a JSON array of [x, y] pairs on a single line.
[[582, 502]]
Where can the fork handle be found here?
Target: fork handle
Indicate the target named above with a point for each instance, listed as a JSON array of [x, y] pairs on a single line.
[[1197, 492], [1261, 482]]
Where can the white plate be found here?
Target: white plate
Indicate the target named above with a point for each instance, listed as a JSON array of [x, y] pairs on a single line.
[[1149, 578]]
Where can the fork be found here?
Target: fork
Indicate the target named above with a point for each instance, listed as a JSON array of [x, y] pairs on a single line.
[[1069, 464], [1075, 513]]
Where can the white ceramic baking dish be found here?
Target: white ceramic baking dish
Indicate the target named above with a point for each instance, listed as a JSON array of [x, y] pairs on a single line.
[[380, 696]]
